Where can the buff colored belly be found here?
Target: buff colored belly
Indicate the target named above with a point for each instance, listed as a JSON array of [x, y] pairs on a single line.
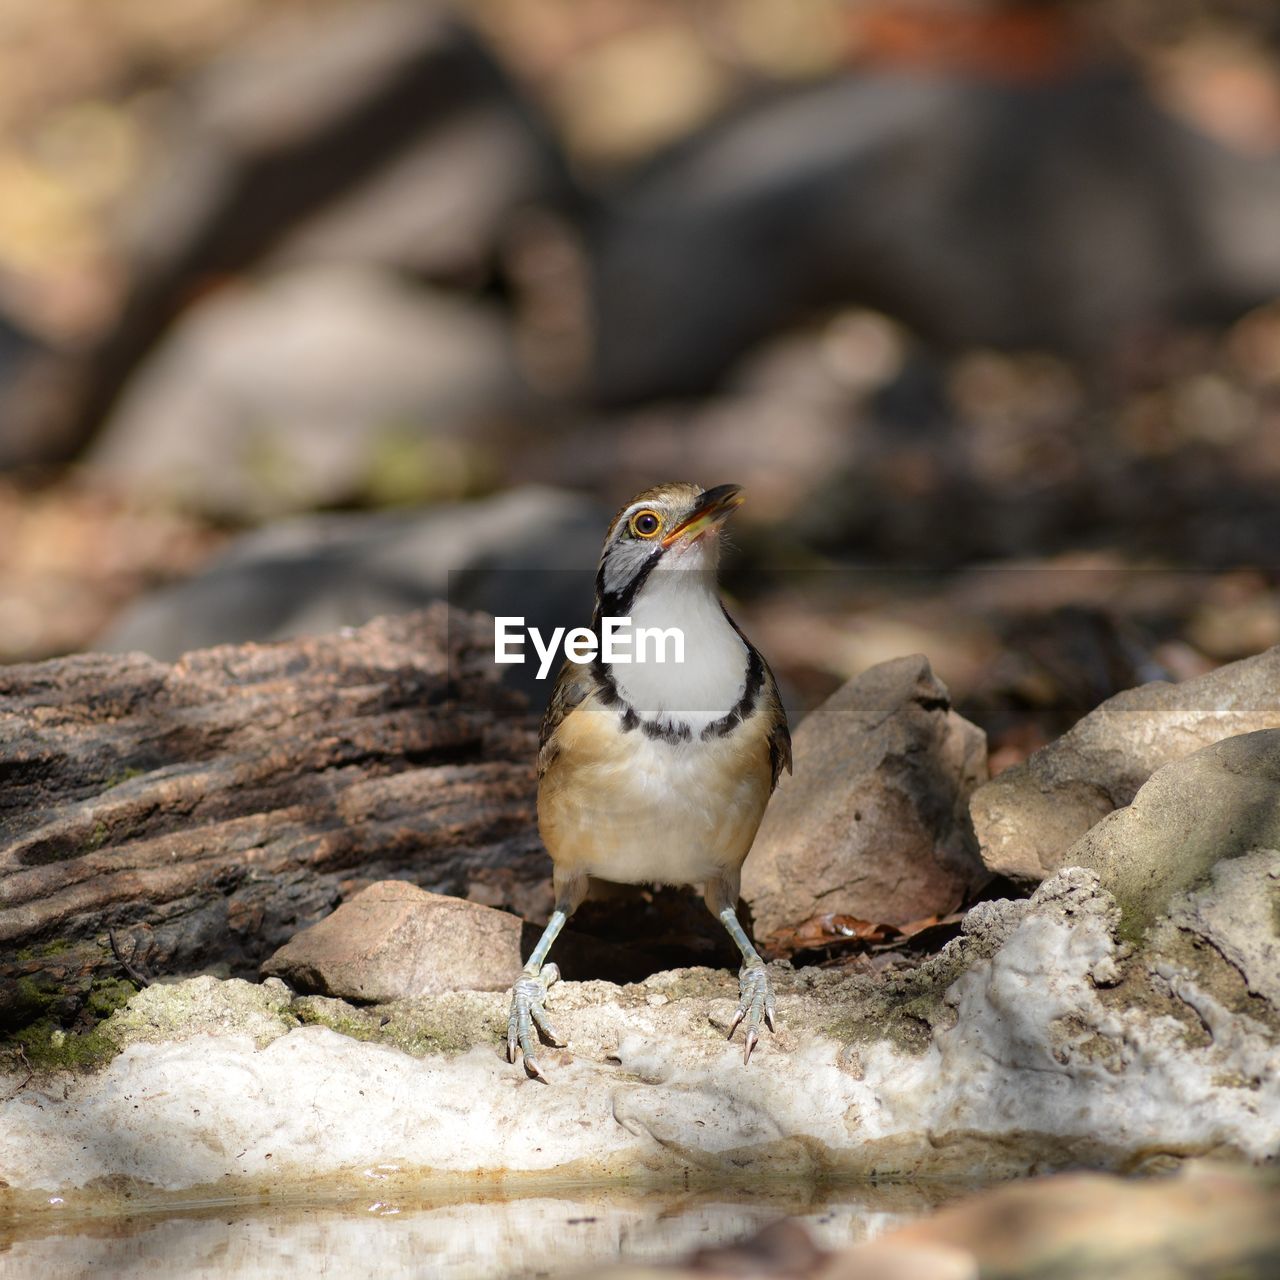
[[633, 809]]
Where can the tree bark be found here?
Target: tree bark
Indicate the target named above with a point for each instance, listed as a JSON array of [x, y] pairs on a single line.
[[162, 820]]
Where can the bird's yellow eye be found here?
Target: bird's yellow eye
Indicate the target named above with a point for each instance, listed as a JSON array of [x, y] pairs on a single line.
[[645, 524]]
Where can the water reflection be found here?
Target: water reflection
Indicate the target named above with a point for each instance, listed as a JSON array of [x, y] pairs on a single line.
[[533, 1235]]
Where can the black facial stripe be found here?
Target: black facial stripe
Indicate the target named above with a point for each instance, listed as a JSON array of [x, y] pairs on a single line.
[[617, 604]]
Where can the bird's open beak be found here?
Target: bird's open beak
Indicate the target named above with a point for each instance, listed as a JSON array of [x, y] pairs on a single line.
[[713, 507]]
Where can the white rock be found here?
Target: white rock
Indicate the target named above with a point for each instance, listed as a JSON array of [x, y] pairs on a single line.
[[297, 388], [1029, 1066]]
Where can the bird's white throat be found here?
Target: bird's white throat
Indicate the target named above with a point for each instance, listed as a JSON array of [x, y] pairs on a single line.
[[710, 680]]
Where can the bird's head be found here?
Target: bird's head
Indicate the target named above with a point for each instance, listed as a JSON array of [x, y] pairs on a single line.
[[671, 526]]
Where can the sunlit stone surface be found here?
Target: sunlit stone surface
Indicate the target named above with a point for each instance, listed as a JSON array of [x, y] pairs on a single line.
[[1038, 1040]]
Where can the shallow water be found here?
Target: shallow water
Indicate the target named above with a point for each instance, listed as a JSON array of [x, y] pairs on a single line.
[[553, 1232]]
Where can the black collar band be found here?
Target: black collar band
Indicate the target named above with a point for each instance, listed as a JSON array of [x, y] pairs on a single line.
[[609, 695]]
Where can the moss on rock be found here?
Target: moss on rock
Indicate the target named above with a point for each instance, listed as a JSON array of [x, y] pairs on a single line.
[[903, 1008], [346, 1019], [53, 980], [44, 1046], [205, 1006], [116, 1014], [107, 995], [449, 1023], [907, 1006]]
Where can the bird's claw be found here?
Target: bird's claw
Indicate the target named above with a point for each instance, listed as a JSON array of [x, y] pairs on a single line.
[[527, 1013], [755, 1002]]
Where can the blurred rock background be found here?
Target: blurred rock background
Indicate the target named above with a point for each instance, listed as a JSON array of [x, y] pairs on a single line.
[[311, 309]]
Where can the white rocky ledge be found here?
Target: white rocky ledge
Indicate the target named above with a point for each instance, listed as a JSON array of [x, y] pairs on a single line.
[[1033, 1042]]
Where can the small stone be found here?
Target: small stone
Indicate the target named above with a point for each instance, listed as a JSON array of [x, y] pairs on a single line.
[[395, 941], [874, 822], [656, 1000]]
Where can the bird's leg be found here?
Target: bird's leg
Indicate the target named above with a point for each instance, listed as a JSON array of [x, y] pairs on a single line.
[[527, 997], [530, 990], [755, 992]]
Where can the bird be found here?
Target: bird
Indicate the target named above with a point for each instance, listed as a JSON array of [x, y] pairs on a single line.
[[657, 771]]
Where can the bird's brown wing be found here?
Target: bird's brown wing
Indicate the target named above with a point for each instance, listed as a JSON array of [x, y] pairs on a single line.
[[779, 732], [573, 685]]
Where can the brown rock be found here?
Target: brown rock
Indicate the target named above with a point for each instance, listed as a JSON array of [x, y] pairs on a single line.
[[395, 941], [1208, 1220], [874, 821], [160, 819], [1029, 817]]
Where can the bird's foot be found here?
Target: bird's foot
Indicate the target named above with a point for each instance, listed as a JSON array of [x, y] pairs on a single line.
[[527, 1012], [755, 1002]]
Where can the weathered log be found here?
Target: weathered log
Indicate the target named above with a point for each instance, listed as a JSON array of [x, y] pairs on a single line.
[[159, 820]]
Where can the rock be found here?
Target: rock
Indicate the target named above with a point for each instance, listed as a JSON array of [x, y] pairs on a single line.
[[1238, 915], [440, 208], [1115, 213], [528, 552], [1212, 1219], [319, 127], [394, 941], [37, 386], [873, 823], [1029, 816], [204, 1006], [1035, 1041], [311, 388], [160, 820], [1219, 803]]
